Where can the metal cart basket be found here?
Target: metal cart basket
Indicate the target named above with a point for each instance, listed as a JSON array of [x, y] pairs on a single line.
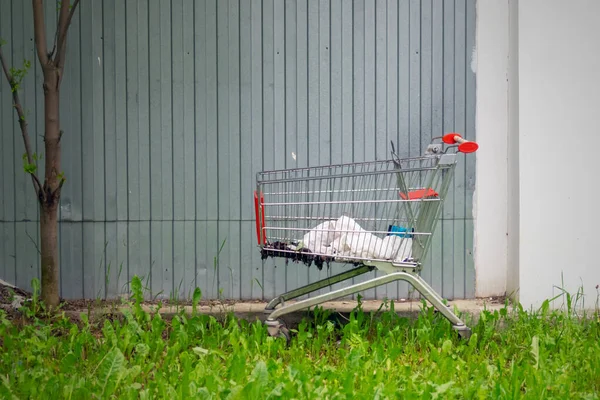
[[374, 215]]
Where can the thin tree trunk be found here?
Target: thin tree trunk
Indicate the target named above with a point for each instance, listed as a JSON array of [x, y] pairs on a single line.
[[49, 250], [52, 183]]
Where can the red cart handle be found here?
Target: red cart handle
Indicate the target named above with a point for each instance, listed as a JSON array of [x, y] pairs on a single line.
[[465, 146]]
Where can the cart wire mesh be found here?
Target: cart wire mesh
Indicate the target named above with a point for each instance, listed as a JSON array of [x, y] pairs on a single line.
[[382, 211]]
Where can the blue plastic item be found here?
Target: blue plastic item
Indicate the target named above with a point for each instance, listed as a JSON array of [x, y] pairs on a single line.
[[399, 231]]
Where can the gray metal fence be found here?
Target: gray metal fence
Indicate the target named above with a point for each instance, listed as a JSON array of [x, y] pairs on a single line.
[[171, 107]]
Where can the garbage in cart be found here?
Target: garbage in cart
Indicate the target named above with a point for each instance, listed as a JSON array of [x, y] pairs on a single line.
[[373, 215], [344, 240]]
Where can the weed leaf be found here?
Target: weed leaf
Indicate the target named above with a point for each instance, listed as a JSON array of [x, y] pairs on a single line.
[[110, 371], [535, 350]]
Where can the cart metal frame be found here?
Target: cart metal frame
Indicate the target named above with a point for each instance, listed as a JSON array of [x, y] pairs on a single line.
[[303, 195]]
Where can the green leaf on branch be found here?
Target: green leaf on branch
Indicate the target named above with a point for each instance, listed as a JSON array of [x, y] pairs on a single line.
[[18, 74], [30, 168], [2, 42]]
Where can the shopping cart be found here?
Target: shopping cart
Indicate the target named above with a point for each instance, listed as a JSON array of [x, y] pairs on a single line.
[[373, 215]]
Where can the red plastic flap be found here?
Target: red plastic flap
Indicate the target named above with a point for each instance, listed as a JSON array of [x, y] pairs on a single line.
[[419, 194], [260, 220]]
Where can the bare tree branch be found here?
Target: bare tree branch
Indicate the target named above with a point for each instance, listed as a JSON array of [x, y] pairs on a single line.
[[60, 185], [34, 243], [64, 21], [39, 27], [22, 122]]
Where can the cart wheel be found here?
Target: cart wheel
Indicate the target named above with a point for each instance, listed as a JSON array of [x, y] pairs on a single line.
[[285, 334], [277, 328]]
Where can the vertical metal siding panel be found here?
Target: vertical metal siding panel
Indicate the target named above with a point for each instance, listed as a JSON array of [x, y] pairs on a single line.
[[71, 275], [179, 279], [437, 108], [223, 146], [201, 121], [138, 166], [9, 160], [289, 112], [324, 85], [160, 278], [358, 88], [212, 148], [391, 112], [71, 250], [111, 242], [156, 150], [9, 261], [257, 123], [426, 97], [268, 139], [313, 83], [165, 227], [290, 40], [470, 161], [28, 99], [202, 267], [177, 52], [247, 175], [279, 107], [381, 84], [448, 126], [234, 148], [144, 117], [119, 269], [97, 113], [189, 252], [155, 115], [223, 109], [318, 135], [166, 111], [336, 109], [459, 126], [302, 105], [117, 274], [88, 62], [347, 82], [189, 154], [71, 208], [189, 151], [110, 135], [22, 182], [231, 275], [184, 259], [404, 96], [93, 151], [96, 265], [414, 140], [346, 91], [24, 209], [121, 109], [180, 285], [370, 21], [404, 61], [93, 258], [26, 254], [134, 99]]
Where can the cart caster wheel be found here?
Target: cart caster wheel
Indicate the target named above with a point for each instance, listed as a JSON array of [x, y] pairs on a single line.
[[285, 334], [464, 332], [277, 328]]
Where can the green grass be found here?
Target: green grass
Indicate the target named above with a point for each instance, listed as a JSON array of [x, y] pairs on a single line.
[[512, 354]]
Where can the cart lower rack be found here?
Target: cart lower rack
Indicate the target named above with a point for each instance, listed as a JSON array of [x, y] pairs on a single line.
[[374, 215]]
